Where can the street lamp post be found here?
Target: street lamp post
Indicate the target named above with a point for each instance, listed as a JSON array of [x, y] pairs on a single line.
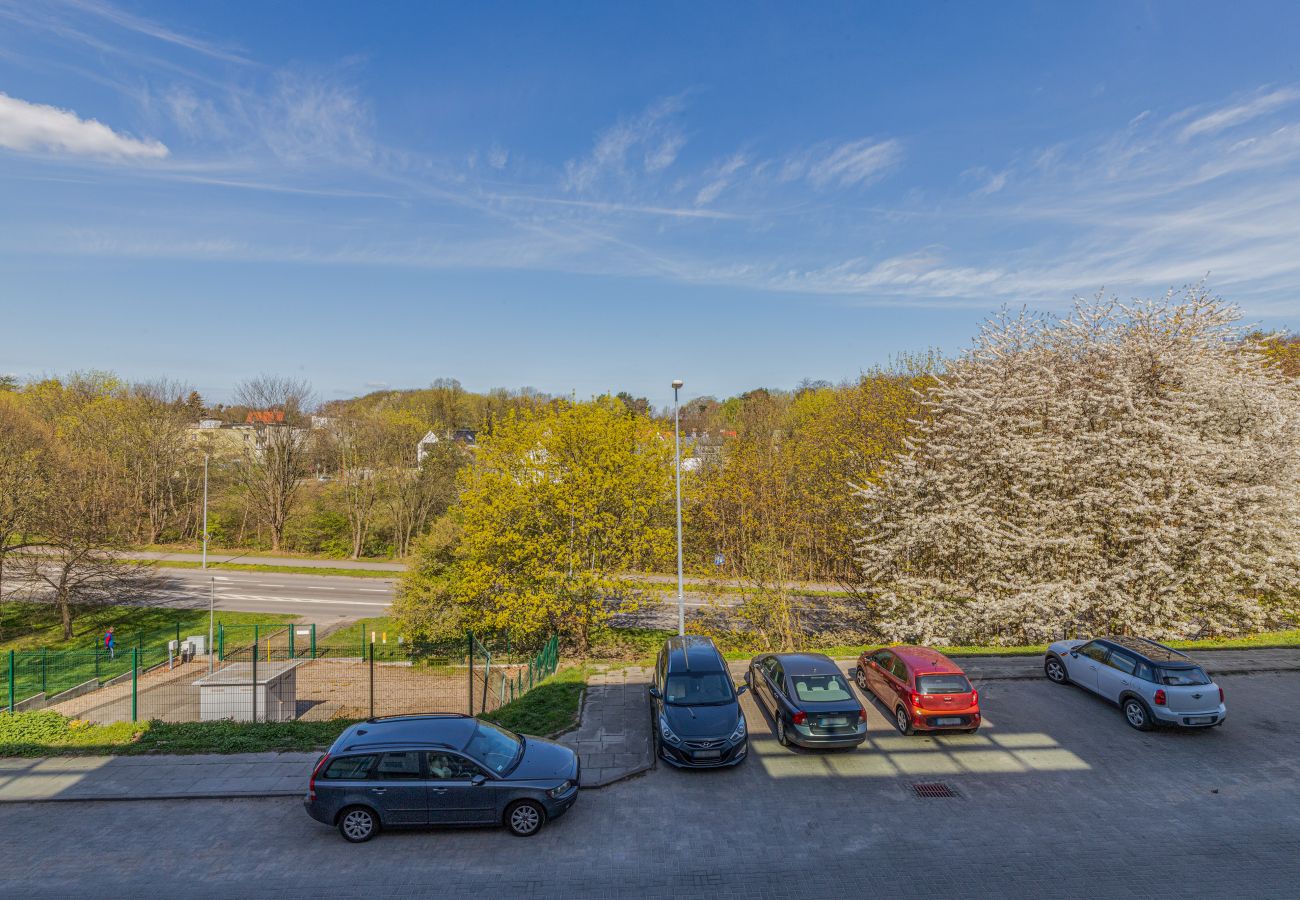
[[677, 443], [205, 510]]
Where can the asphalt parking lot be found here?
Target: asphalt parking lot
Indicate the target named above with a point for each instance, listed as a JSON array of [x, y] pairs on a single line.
[[1057, 797]]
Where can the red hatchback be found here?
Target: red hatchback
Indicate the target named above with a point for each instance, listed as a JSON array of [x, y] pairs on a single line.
[[925, 690]]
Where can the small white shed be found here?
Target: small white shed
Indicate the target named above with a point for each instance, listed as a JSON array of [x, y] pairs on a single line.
[[231, 692]]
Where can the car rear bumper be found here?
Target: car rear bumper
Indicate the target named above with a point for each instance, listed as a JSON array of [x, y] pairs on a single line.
[[1206, 719], [927, 722], [804, 737], [683, 758]]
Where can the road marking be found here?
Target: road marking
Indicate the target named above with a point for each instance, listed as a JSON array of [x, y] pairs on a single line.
[[374, 590], [253, 598]]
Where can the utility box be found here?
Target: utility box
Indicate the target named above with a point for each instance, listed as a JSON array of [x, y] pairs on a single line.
[[233, 694], [200, 642]]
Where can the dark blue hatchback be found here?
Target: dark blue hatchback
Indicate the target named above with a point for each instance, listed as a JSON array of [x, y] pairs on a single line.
[[440, 770], [696, 709]]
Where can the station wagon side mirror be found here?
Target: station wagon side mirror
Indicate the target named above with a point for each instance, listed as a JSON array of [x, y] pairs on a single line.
[[478, 780], [654, 692], [740, 690]]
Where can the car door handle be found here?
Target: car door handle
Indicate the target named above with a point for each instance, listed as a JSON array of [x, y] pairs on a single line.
[[378, 790], [438, 790], [1123, 681]]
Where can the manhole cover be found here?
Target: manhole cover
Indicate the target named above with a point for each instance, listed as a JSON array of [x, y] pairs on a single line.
[[933, 790]]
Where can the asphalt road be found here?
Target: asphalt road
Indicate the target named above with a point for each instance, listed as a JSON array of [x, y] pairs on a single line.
[[1057, 797], [328, 598]]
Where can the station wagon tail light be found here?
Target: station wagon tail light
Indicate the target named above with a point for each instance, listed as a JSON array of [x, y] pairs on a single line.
[[862, 714], [1220, 695], [800, 718], [311, 785], [1160, 697]]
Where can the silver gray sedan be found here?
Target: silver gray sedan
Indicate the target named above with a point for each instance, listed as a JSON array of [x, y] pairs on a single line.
[[1151, 683], [408, 771]]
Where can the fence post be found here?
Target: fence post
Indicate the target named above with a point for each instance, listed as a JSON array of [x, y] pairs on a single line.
[[469, 636], [254, 639], [44, 655], [11, 683], [254, 678], [97, 664], [221, 641], [372, 679], [313, 640], [292, 630], [135, 683]]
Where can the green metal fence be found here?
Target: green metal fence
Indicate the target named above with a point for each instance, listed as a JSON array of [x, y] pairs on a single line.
[[140, 683]]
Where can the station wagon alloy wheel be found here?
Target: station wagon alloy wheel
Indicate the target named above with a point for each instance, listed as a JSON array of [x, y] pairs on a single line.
[[357, 825], [524, 818], [781, 736]]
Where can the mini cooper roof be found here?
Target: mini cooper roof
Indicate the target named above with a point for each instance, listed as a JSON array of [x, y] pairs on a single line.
[[1150, 650]]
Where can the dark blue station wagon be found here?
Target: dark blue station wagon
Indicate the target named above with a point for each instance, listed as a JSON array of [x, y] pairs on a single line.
[[408, 771]]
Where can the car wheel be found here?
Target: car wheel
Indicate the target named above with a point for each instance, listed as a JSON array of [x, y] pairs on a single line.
[[1135, 713], [525, 818], [358, 824], [1055, 670], [862, 679], [781, 737], [903, 721]]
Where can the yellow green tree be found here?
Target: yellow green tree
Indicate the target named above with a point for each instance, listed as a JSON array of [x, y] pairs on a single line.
[[560, 502]]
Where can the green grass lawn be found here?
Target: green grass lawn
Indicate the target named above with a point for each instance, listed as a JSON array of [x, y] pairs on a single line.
[[30, 628], [644, 643], [551, 707], [257, 567], [47, 733]]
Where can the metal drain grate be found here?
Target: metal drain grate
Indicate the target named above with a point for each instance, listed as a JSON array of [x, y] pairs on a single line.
[[933, 790]]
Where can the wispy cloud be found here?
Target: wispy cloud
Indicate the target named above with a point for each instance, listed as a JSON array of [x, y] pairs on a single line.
[[854, 163], [152, 29], [1239, 113], [310, 116], [653, 130], [37, 128], [720, 177]]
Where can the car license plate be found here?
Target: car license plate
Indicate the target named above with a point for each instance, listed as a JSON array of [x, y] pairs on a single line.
[[828, 721], [948, 720], [707, 754], [1200, 720]]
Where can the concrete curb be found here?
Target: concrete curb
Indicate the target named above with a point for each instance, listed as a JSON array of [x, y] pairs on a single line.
[[138, 798]]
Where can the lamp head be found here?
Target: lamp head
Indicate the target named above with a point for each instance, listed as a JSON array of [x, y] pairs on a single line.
[[677, 383]]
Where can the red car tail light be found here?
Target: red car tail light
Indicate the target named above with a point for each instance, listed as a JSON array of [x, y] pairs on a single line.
[[974, 698], [311, 785], [1160, 697], [800, 718], [916, 699]]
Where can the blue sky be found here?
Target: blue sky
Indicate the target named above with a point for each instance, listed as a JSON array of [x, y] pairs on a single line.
[[594, 196]]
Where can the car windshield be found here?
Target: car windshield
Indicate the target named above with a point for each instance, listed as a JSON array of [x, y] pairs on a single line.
[[1183, 676], [820, 688], [494, 747], [697, 688], [942, 684]]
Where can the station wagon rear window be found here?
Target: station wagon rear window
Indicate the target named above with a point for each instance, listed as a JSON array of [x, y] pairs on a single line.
[[1183, 676], [820, 688], [942, 684], [348, 768]]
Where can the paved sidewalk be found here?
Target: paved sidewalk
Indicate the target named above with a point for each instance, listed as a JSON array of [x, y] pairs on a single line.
[[155, 777], [613, 739]]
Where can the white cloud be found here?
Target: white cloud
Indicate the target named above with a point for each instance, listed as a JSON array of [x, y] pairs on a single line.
[[309, 117], [720, 178], [993, 181], [498, 157], [856, 162], [1230, 116], [34, 128], [653, 129]]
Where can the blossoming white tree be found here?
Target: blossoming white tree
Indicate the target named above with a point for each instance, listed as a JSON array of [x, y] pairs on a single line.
[[1130, 468]]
